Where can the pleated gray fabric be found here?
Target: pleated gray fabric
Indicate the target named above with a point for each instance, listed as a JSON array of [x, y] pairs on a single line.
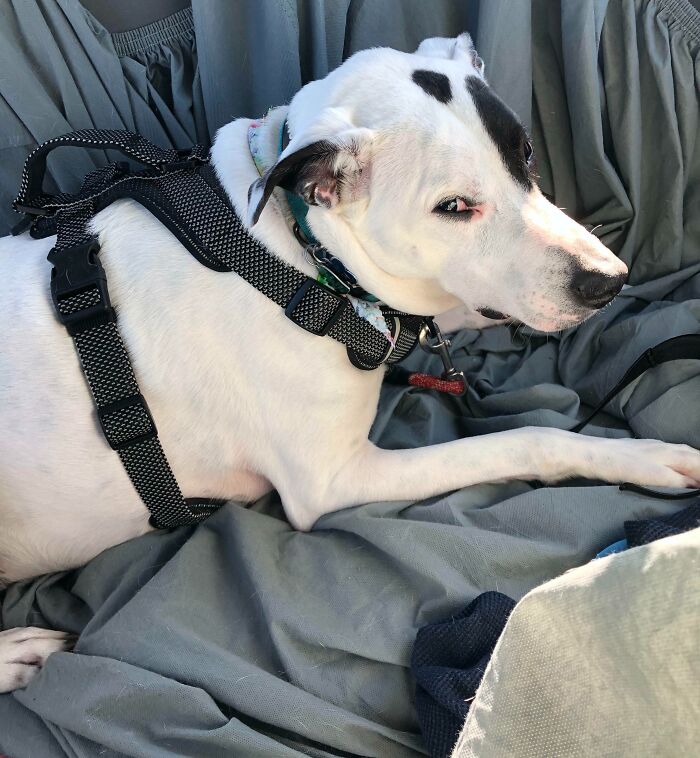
[[64, 71], [243, 637], [617, 124], [611, 93]]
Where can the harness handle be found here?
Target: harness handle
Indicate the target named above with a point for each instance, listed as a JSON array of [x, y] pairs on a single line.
[[31, 198]]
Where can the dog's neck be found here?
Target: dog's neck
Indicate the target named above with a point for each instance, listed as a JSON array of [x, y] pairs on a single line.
[[236, 170]]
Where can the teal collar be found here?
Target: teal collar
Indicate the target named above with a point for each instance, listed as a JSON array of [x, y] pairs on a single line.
[[331, 270], [297, 205]]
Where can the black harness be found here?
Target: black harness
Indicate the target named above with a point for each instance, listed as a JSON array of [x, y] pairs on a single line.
[[180, 188]]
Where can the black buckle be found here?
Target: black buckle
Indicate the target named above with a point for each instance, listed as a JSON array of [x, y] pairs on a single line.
[[78, 270], [114, 420], [320, 296]]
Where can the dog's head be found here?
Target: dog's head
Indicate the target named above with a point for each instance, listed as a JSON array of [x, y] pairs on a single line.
[[421, 180]]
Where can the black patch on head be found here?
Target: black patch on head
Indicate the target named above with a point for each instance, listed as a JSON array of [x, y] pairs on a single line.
[[504, 129], [436, 85]]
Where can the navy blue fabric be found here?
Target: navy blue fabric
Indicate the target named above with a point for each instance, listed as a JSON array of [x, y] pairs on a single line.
[[448, 662], [643, 532]]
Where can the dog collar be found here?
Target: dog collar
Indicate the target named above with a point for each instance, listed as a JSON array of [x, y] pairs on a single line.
[[331, 271], [297, 205]]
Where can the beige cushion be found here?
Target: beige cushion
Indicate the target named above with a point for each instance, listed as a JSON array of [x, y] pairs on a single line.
[[603, 661]]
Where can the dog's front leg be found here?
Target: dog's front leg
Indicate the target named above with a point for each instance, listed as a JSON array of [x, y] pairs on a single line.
[[371, 474]]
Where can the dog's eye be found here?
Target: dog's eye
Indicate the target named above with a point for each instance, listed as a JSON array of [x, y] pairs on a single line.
[[527, 151], [455, 205]]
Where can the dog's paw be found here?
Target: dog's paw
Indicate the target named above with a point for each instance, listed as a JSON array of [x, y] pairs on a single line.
[[24, 650], [646, 462]]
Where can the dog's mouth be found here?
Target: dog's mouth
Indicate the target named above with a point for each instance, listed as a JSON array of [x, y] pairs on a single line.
[[560, 322], [541, 323], [492, 314]]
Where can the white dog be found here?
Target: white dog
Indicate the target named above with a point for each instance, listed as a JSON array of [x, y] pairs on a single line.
[[427, 197]]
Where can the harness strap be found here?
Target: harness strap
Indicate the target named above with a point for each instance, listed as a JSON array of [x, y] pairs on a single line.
[[80, 295], [31, 197], [180, 188]]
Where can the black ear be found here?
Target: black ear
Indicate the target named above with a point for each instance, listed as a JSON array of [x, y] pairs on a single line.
[[313, 172]]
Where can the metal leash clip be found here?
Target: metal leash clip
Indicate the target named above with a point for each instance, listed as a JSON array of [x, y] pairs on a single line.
[[441, 346]]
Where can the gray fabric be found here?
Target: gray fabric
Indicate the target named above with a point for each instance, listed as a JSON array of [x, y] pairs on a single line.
[[253, 639], [250, 639], [69, 73], [131, 14], [617, 131], [601, 661], [62, 73]]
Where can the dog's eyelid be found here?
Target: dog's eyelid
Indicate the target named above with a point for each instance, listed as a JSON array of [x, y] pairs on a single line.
[[470, 202]]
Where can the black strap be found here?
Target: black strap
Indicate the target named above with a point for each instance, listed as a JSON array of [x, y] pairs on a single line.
[[685, 346], [674, 349], [629, 487], [182, 191], [83, 305], [31, 198]]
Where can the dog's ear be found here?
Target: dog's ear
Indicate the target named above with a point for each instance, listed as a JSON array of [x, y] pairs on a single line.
[[324, 172], [456, 48]]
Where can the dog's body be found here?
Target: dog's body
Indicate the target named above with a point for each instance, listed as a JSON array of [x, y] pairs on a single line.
[[243, 398]]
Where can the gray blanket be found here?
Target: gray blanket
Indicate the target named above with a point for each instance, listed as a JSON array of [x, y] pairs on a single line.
[[242, 637]]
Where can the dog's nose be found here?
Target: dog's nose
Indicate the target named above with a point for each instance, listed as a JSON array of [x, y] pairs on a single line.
[[594, 289]]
